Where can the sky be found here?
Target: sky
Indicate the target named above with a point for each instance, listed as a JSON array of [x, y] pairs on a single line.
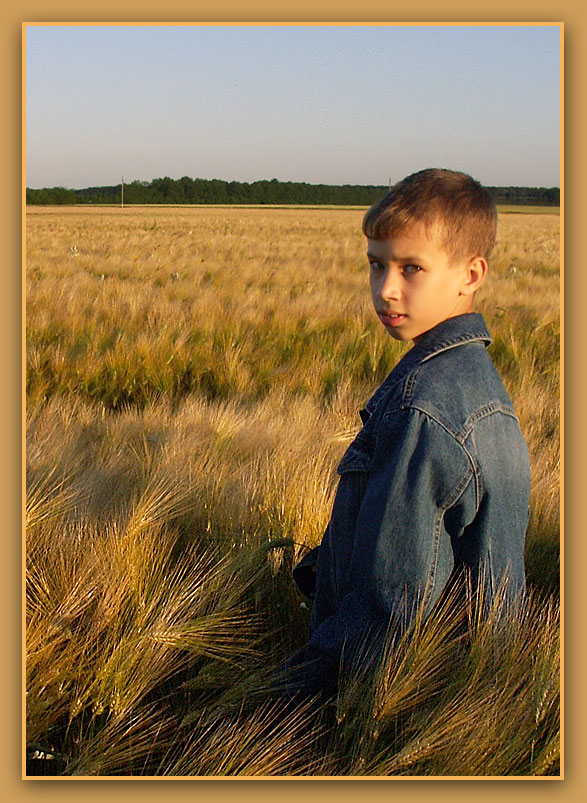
[[321, 104]]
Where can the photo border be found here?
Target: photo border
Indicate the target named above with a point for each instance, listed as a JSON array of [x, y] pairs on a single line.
[[369, 11]]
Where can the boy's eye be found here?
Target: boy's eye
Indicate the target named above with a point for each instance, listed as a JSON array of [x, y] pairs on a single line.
[[411, 269], [374, 265]]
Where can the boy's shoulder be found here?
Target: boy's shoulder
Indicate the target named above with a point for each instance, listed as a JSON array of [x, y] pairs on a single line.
[[456, 385]]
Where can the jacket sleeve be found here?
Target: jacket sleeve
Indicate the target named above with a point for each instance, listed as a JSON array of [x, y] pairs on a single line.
[[304, 574], [419, 492]]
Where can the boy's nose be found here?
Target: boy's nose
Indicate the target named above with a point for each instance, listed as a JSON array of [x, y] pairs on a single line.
[[390, 286]]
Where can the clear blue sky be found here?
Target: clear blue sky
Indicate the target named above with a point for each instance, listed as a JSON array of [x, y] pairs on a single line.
[[328, 104]]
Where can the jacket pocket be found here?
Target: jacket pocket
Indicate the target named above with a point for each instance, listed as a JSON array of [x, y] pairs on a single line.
[[358, 457]]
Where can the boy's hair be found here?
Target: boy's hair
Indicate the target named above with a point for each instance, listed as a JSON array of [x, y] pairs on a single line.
[[457, 211]]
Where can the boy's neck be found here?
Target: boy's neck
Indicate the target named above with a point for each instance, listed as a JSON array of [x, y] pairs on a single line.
[[456, 315]]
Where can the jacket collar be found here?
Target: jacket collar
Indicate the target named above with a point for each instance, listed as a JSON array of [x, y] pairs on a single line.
[[452, 332], [467, 328]]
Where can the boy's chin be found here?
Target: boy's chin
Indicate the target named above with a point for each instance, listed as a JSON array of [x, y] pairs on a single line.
[[403, 337]]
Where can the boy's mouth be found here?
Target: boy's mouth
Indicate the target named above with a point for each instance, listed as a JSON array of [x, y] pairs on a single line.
[[391, 318]]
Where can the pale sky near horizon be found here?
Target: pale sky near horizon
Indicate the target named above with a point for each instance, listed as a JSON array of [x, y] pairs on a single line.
[[322, 104]]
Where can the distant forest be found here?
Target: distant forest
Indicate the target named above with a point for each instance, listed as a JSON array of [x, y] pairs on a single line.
[[203, 191]]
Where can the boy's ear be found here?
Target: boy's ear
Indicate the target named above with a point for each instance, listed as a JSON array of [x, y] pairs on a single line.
[[476, 270]]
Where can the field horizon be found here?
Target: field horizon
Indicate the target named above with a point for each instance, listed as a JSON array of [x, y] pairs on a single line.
[[522, 209]]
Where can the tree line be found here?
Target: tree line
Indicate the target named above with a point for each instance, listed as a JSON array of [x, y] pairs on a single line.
[[214, 191]]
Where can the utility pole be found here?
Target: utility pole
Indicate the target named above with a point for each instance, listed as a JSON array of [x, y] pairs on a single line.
[[122, 193]]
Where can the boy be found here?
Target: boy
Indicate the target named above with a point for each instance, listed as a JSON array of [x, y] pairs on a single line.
[[437, 481]]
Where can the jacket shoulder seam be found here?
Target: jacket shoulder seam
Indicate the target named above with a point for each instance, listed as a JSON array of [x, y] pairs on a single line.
[[474, 468], [484, 412]]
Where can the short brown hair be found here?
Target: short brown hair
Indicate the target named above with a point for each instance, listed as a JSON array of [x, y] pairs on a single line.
[[457, 211]]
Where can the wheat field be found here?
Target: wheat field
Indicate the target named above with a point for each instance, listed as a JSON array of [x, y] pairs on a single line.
[[193, 377]]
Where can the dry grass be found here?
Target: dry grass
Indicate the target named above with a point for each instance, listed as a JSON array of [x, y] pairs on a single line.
[[193, 378]]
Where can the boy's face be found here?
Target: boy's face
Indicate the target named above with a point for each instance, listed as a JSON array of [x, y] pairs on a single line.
[[414, 285]]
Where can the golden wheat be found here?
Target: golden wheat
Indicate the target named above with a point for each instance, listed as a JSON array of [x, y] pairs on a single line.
[[193, 377]]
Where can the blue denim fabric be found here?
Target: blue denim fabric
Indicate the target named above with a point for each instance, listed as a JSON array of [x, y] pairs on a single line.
[[436, 481]]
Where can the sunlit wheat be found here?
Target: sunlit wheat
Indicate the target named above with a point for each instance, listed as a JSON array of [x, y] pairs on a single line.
[[193, 378]]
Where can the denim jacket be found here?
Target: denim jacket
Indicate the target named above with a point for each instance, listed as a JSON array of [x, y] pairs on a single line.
[[436, 481]]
